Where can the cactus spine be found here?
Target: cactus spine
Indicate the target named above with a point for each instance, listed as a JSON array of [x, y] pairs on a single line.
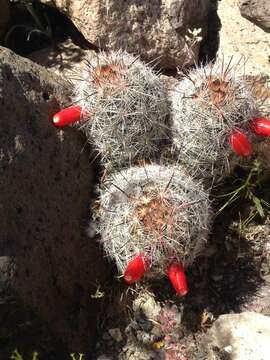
[[125, 107], [158, 211], [207, 106]]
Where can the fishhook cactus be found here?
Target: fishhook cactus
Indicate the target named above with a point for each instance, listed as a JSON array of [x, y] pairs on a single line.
[[155, 220], [211, 113], [124, 108]]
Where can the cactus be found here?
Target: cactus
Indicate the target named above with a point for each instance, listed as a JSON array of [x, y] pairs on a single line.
[[155, 211], [208, 106], [125, 108]]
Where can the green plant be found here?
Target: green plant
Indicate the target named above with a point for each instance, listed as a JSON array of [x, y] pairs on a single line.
[[79, 356], [98, 294], [250, 189], [17, 356]]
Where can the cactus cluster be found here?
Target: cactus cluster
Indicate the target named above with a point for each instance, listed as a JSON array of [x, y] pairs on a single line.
[[207, 107], [155, 219], [125, 108], [155, 210]]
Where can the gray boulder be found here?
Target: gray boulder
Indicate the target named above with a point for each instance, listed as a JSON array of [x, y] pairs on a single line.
[[244, 336], [46, 183], [257, 11], [156, 30]]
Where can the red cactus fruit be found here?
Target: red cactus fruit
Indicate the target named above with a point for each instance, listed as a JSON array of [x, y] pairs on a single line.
[[135, 269], [261, 126], [178, 279], [67, 116], [240, 144]]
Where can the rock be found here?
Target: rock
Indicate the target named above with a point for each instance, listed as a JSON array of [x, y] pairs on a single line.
[[241, 39], [4, 16], [257, 11], [154, 29], [263, 154], [135, 351], [66, 60], [260, 85], [116, 334], [259, 302], [147, 304], [46, 183], [244, 336], [6, 267]]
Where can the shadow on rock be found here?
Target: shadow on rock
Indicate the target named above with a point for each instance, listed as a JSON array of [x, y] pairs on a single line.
[[47, 184]]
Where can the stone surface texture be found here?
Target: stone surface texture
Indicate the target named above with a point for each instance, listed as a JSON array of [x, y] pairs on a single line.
[[153, 29], [4, 16], [46, 183], [67, 61], [244, 336], [242, 39], [257, 11]]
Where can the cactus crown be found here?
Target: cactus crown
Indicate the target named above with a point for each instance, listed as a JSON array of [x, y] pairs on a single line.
[[127, 107], [155, 210], [216, 92], [208, 105], [110, 76], [221, 91]]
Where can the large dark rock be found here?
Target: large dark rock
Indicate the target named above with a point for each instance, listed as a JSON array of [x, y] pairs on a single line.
[[46, 183], [4, 17], [257, 11]]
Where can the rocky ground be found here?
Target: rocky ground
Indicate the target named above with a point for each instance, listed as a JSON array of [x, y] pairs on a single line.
[[235, 278]]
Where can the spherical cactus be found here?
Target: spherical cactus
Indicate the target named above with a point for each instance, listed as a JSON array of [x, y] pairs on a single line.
[[211, 111], [124, 106], [151, 218]]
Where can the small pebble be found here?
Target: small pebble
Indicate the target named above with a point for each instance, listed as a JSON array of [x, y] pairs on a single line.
[[116, 334], [142, 321], [228, 349], [106, 336]]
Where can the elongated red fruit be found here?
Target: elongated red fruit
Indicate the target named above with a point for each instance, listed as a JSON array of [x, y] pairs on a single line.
[[135, 269], [67, 116], [240, 143], [178, 279], [261, 126]]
